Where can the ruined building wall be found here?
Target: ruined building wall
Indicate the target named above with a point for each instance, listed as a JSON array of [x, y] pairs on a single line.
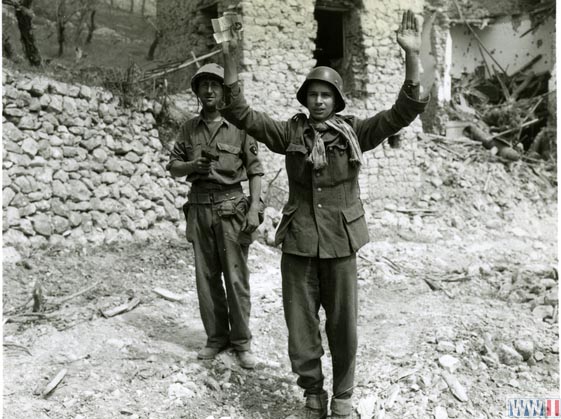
[[277, 52], [499, 25], [186, 30]]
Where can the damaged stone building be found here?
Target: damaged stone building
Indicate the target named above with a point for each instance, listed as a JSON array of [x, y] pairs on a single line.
[[282, 41]]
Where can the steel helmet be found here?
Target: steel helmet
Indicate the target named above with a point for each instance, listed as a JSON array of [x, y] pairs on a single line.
[[212, 70], [327, 75]]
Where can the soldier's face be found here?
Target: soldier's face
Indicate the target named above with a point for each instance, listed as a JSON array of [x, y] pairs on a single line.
[[320, 100], [210, 91]]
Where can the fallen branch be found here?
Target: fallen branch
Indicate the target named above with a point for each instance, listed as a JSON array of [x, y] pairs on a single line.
[[54, 383], [18, 307], [449, 150], [508, 131], [366, 259], [390, 262], [180, 66], [457, 279], [415, 210], [76, 294], [123, 308], [436, 287], [432, 285], [17, 346], [168, 295]]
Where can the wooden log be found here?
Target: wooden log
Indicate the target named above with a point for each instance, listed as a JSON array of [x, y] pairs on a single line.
[[168, 295], [63, 300], [54, 383], [509, 153], [121, 308]]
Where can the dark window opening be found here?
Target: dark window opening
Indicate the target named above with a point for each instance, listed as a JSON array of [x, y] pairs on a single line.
[[209, 13], [330, 38]]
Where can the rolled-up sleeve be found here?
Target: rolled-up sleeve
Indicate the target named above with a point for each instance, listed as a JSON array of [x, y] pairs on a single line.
[[179, 152], [372, 131], [250, 157]]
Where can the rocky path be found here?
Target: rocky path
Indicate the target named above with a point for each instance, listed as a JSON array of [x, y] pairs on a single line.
[[485, 333]]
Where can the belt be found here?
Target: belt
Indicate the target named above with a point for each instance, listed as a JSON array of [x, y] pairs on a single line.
[[199, 195]]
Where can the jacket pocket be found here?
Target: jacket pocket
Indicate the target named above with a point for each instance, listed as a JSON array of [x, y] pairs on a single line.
[[288, 213], [296, 155], [356, 227], [229, 148], [229, 160]]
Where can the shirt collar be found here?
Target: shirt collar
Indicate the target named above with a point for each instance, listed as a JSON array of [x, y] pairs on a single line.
[[200, 120]]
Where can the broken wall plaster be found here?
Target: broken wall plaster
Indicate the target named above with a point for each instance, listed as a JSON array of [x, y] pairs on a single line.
[[503, 39]]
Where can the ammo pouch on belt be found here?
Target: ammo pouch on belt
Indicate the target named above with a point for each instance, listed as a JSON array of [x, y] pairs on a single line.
[[228, 208], [232, 207]]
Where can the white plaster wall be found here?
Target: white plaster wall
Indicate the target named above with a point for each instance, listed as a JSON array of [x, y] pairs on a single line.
[[503, 40]]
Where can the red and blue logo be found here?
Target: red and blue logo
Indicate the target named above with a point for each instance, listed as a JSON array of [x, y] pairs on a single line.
[[533, 408]]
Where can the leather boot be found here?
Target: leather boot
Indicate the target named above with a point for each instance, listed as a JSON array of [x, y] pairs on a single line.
[[341, 409], [316, 406]]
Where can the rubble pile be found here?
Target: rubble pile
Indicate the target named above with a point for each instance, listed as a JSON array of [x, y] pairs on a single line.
[[507, 114]]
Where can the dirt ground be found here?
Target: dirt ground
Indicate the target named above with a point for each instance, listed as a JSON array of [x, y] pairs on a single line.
[[142, 363], [458, 313]]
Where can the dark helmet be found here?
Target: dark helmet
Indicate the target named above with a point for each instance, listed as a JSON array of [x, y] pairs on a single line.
[[210, 70], [327, 75]]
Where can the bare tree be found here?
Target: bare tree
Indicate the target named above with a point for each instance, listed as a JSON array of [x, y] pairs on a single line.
[[7, 48], [157, 37], [85, 12], [62, 19], [91, 27], [24, 16]]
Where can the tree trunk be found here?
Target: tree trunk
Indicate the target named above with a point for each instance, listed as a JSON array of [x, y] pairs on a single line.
[[7, 49], [142, 10], [61, 26], [91, 27], [132, 6], [25, 25], [60, 38], [155, 43]]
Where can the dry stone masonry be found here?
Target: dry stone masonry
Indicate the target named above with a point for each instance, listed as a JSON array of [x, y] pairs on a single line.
[[78, 167]]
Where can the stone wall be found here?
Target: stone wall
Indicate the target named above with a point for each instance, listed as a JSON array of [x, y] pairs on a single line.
[[78, 167]]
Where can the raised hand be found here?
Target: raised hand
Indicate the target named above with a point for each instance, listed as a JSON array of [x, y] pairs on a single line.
[[409, 33], [229, 47]]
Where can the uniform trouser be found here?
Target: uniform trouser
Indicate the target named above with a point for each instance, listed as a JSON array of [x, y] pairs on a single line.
[[225, 313], [307, 284]]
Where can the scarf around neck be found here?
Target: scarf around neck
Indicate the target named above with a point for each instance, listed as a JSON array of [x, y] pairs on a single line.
[[317, 157]]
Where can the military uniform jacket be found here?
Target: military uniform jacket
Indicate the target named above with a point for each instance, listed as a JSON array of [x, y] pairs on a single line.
[[237, 151], [324, 216]]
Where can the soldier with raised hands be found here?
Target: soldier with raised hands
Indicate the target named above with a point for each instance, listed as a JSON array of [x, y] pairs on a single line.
[[323, 222]]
